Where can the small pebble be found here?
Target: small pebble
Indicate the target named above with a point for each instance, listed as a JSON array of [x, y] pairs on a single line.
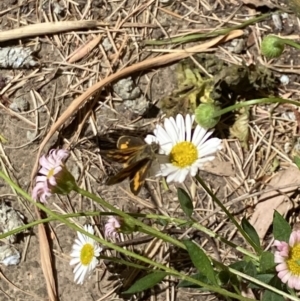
[[9, 255], [277, 21], [19, 105], [284, 79], [126, 90], [30, 135], [238, 46], [58, 9], [107, 44], [287, 147], [289, 115]]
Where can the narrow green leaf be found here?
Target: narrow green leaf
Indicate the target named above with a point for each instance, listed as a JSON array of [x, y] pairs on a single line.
[[271, 296], [266, 262], [201, 261], [250, 269], [185, 202], [199, 276], [146, 282], [250, 230], [281, 228], [239, 265], [246, 267], [265, 278]]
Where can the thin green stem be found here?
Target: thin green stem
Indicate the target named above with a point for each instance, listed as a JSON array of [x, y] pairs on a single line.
[[264, 285], [195, 37], [230, 216], [121, 250], [50, 219], [201, 228], [290, 43], [255, 102], [142, 227]]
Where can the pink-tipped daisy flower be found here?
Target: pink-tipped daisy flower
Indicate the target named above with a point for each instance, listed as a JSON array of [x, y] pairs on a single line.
[[51, 166], [287, 257], [187, 150], [112, 227]]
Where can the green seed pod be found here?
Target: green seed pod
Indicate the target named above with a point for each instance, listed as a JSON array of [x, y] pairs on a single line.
[[271, 46], [205, 115]]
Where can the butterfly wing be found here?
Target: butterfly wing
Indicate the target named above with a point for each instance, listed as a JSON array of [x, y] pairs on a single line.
[[136, 172]]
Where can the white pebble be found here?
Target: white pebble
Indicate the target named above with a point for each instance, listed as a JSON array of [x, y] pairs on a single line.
[[284, 79]]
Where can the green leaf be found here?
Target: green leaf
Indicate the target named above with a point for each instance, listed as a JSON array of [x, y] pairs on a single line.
[[265, 278], [239, 265], [297, 161], [146, 282], [246, 267], [271, 296], [199, 276], [266, 262], [250, 230], [185, 202], [250, 269], [281, 228], [225, 277], [201, 261]]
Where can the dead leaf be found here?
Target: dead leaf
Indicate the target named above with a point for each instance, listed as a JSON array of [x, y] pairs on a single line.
[[275, 200], [84, 50], [219, 168]]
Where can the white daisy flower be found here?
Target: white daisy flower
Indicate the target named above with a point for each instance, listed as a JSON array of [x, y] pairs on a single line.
[[187, 151], [84, 252]]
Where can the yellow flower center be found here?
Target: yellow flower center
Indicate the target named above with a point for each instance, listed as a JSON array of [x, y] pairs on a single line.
[[87, 254], [293, 262], [50, 173], [183, 154]]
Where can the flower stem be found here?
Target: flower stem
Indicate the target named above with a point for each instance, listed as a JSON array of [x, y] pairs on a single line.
[[119, 249], [142, 227], [214, 33], [230, 216], [255, 102], [195, 225]]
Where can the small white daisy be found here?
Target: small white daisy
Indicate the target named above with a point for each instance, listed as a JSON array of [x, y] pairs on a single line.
[[186, 151], [84, 252]]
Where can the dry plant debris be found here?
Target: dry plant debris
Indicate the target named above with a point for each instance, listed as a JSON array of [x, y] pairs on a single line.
[[17, 58], [71, 97]]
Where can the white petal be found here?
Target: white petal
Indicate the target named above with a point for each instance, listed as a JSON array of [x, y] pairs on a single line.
[[183, 174], [193, 170], [188, 127], [150, 139], [74, 261], [173, 177], [198, 135], [209, 147], [171, 129], [180, 128]]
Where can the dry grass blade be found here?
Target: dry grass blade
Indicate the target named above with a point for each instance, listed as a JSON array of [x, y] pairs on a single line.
[[46, 261], [56, 27], [78, 54], [149, 63], [45, 28]]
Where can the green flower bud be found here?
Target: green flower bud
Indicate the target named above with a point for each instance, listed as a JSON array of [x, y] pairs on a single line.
[[205, 115], [272, 46], [65, 182]]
